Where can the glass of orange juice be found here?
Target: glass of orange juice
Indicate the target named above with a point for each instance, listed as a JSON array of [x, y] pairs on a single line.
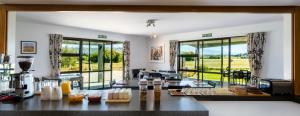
[[66, 87]]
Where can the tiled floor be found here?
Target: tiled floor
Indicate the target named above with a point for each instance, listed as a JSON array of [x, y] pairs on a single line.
[[252, 108]]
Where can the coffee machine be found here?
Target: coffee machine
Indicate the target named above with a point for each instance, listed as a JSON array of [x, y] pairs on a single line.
[[23, 82]]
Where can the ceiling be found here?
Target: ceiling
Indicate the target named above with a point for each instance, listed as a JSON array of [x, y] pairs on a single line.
[[135, 23], [163, 2]]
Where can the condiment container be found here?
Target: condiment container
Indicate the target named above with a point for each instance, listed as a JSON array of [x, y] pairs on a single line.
[[157, 88], [94, 98], [143, 89], [110, 94], [157, 85], [116, 94], [66, 87], [122, 94], [143, 83], [128, 90], [75, 98], [56, 93], [46, 93]]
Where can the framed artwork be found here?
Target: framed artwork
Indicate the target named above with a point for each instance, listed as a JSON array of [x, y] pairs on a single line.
[[157, 53], [28, 47]]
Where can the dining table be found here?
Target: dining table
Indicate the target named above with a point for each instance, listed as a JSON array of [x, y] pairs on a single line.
[[166, 75], [166, 84]]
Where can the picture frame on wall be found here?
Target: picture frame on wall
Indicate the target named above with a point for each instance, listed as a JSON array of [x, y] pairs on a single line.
[[28, 47], [157, 53]]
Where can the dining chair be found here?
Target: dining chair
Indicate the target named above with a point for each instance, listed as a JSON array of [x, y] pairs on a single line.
[[246, 75], [172, 71], [155, 75], [233, 77], [135, 73], [212, 83], [162, 71], [146, 74]]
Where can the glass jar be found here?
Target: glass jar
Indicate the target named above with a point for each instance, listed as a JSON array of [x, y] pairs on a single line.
[[46, 92], [66, 87], [94, 97], [75, 98]]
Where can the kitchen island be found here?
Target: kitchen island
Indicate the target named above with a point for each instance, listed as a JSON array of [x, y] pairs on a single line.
[[166, 106]]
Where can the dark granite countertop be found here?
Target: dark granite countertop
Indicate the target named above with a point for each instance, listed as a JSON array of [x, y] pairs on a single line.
[[167, 104]]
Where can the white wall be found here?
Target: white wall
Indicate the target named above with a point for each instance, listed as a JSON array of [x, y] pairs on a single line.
[[11, 35], [277, 56], [33, 31], [287, 46]]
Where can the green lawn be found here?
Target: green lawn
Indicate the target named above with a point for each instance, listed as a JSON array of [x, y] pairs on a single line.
[[214, 65], [94, 66]]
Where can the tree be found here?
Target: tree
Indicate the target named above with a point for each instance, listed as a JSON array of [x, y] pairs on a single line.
[[69, 62], [116, 56], [94, 57]]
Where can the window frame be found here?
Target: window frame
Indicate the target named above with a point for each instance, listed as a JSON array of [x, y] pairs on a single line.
[[200, 55], [72, 55], [80, 54]]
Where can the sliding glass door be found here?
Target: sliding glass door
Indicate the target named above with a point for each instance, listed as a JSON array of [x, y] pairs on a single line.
[[96, 59], [96, 69], [212, 59]]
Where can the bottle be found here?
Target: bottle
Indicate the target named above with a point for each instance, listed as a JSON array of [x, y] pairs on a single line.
[[157, 89], [143, 86]]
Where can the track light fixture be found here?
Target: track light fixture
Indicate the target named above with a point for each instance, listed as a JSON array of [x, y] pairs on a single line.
[[150, 22]]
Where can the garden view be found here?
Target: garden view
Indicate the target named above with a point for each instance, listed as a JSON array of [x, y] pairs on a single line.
[[94, 55], [210, 58]]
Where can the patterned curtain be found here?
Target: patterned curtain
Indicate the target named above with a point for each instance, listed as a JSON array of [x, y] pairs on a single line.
[[55, 41], [173, 53], [255, 48], [126, 51]]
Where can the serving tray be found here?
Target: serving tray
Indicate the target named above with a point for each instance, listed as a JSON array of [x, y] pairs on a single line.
[[118, 101]]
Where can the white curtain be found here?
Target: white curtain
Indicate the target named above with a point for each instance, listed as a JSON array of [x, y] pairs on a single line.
[[255, 47], [126, 52], [55, 41], [173, 53]]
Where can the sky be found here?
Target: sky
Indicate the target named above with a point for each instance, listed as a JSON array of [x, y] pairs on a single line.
[[235, 49]]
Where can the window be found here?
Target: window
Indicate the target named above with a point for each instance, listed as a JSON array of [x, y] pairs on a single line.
[[95, 60], [70, 56], [212, 59], [117, 61]]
